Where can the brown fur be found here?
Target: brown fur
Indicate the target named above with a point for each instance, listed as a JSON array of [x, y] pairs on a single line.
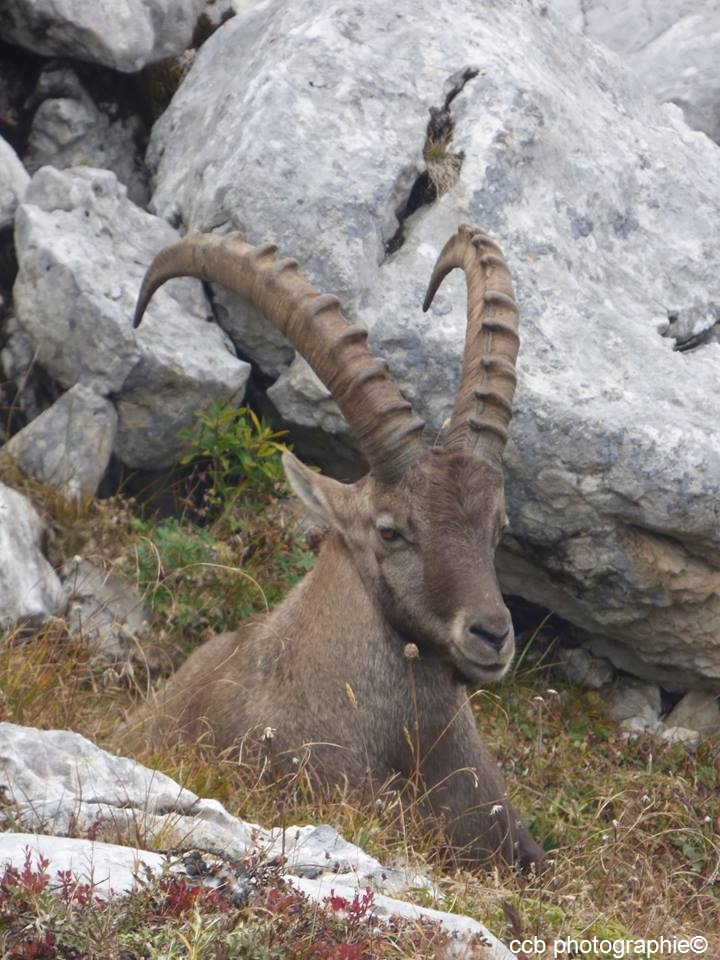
[[327, 669]]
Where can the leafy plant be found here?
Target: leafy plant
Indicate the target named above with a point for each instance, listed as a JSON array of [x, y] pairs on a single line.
[[46, 918], [241, 451], [242, 556]]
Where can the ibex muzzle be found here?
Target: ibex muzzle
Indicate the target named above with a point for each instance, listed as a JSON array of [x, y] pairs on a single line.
[[409, 561]]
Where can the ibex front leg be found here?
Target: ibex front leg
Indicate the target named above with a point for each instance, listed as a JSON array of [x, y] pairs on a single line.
[[461, 785]]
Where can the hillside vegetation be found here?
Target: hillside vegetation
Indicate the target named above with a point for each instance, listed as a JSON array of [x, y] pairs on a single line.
[[633, 826]]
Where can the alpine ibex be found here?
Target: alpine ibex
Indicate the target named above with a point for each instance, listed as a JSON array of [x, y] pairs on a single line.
[[407, 568]]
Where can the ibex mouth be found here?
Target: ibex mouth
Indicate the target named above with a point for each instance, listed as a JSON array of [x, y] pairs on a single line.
[[479, 653], [476, 670]]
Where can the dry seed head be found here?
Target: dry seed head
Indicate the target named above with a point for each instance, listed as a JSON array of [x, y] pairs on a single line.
[[350, 693]]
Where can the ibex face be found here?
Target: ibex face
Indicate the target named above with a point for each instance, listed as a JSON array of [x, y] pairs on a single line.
[[456, 517], [424, 546]]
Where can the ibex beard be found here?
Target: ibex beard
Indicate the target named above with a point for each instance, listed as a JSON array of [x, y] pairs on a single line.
[[361, 673]]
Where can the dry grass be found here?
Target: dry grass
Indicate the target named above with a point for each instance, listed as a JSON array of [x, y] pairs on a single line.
[[442, 165], [633, 826]]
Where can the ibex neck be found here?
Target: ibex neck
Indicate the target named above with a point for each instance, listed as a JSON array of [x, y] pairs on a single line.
[[332, 614], [331, 601]]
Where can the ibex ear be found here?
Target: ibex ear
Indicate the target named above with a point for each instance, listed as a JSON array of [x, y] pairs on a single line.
[[322, 496]]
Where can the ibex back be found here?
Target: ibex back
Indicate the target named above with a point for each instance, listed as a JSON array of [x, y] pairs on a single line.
[[406, 570]]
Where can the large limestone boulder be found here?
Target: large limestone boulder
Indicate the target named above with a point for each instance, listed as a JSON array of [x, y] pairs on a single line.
[[607, 208], [124, 34], [672, 46], [82, 249]]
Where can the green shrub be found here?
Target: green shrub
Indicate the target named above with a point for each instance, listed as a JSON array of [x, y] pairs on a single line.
[[241, 450]]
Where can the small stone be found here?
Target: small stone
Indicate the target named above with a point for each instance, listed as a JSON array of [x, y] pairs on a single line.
[[691, 738], [580, 666], [104, 608], [698, 710], [14, 179], [635, 726], [630, 698], [29, 587], [69, 445]]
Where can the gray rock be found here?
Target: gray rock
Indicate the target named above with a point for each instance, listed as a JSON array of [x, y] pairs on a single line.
[[244, 325], [690, 738], [614, 462], [82, 249], [217, 11], [300, 394], [674, 679], [109, 868], [672, 46], [633, 699], [113, 870], [105, 609], [17, 359], [698, 710], [580, 666], [125, 35], [693, 326], [69, 445], [14, 179], [55, 780], [29, 587], [318, 851], [633, 727], [69, 129]]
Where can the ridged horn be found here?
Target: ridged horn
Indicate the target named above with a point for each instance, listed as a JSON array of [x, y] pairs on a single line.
[[383, 423], [483, 403]]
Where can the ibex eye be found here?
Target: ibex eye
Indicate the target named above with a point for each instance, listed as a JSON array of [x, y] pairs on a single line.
[[388, 534]]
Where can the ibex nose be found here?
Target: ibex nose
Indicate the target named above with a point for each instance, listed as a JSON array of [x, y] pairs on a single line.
[[495, 640]]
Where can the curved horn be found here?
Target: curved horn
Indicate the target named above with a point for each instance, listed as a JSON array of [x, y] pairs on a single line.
[[388, 432], [483, 403]]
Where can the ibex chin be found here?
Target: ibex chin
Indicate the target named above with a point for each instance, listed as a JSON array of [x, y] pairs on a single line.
[[406, 570]]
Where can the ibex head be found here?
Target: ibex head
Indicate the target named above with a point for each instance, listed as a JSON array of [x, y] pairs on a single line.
[[423, 525]]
